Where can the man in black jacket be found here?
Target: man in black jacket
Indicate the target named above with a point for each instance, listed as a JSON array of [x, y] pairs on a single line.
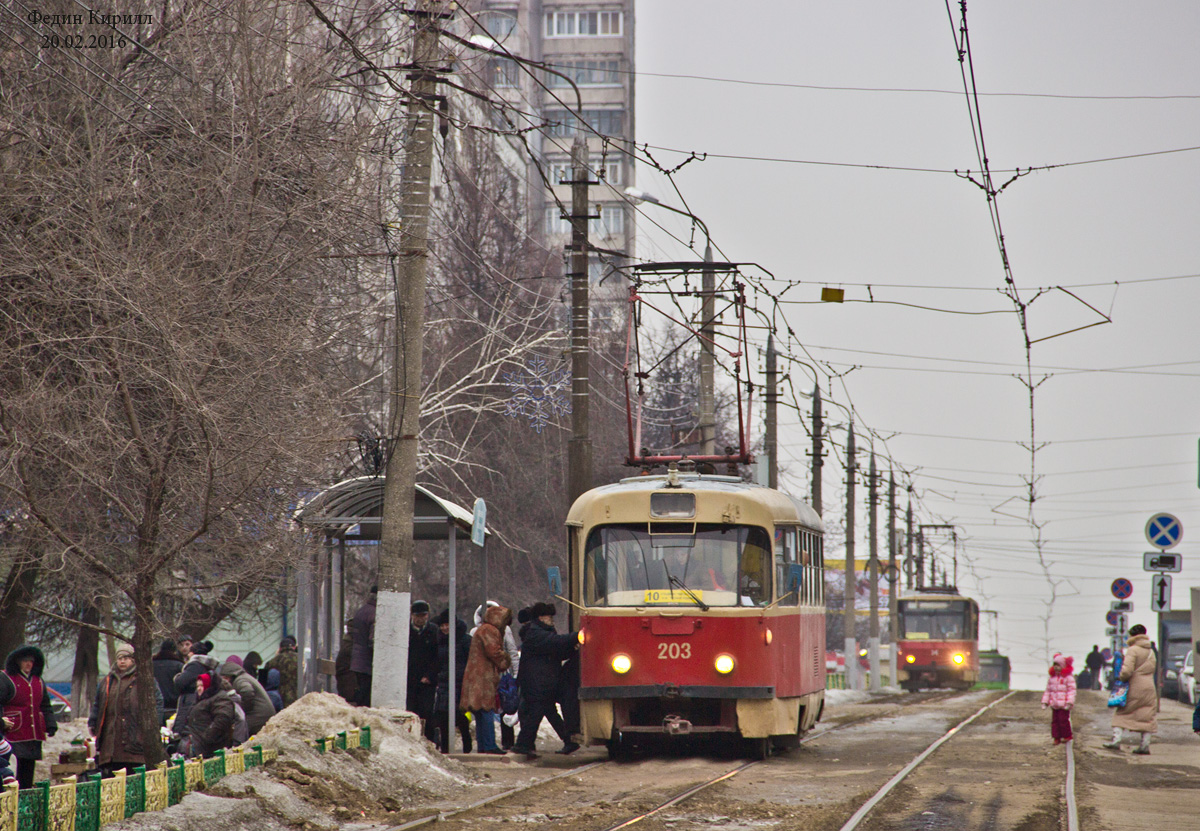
[[542, 654], [422, 661]]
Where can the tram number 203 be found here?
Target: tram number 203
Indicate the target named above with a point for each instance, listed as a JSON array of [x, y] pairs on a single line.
[[674, 651]]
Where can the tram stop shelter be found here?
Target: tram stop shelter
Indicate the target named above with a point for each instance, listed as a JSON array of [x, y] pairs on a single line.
[[351, 512]]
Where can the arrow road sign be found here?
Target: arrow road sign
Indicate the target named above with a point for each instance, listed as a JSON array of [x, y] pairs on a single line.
[[1121, 605], [1160, 594], [1164, 531], [1122, 588], [1122, 626], [1162, 561]]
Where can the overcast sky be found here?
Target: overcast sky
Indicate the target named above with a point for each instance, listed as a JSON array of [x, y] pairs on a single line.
[[1059, 84]]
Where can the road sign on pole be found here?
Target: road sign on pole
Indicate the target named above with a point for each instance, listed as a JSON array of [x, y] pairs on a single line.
[[1111, 618], [479, 523], [1122, 627], [1121, 606], [1164, 531], [1160, 593], [1162, 561], [1122, 588]]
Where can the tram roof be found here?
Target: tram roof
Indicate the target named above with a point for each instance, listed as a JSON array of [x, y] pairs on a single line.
[[783, 506]]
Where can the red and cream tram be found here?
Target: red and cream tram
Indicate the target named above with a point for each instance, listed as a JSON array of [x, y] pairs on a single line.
[[938, 640], [700, 605]]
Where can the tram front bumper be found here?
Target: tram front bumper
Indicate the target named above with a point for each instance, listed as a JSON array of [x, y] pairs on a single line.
[[674, 691]]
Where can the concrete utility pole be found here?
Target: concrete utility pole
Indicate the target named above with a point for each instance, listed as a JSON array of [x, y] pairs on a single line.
[[708, 417], [909, 565], [873, 571], [851, 645], [389, 687], [771, 441], [818, 450], [579, 459], [893, 578]]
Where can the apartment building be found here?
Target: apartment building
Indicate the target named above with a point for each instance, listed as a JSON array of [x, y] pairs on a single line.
[[589, 42]]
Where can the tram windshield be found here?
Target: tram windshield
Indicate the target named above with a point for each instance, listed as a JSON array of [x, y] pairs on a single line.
[[677, 564], [937, 620]]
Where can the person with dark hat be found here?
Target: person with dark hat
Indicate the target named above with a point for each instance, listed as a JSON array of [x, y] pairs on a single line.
[[26, 700], [362, 656], [441, 707], [167, 664], [287, 662], [422, 661], [198, 663], [542, 653]]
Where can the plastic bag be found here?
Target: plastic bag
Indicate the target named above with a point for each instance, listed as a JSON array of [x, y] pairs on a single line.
[[1119, 694]]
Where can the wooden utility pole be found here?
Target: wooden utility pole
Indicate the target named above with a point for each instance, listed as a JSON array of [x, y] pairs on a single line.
[[389, 685], [893, 572], [873, 572], [851, 644], [579, 457], [771, 441], [708, 417], [818, 450]]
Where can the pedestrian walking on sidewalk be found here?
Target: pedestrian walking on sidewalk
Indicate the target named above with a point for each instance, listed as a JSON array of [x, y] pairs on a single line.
[[542, 653], [1060, 697], [1095, 664], [486, 659], [1140, 712]]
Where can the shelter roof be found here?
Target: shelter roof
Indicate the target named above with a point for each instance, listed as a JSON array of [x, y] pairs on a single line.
[[353, 507]]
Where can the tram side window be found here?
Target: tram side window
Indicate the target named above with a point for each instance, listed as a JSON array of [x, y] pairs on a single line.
[[785, 556], [808, 561], [818, 551]]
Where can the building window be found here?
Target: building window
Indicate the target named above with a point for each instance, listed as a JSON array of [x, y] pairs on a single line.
[[612, 172], [590, 24], [498, 24], [610, 223], [586, 73], [556, 224], [505, 73], [562, 123]]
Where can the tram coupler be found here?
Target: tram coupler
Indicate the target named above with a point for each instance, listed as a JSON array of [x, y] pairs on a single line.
[[676, 726]]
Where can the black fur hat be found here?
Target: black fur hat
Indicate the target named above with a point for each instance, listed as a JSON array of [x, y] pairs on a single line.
[[523, 616], [541, 610], [444, 617]]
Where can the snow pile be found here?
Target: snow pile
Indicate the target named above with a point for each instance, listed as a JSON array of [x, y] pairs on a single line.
[[400, 770], [320, 792]]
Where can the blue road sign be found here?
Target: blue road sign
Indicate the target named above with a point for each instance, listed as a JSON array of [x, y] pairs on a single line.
[[1122, 588], [479, 523], [1164, 530], [1111, 618]]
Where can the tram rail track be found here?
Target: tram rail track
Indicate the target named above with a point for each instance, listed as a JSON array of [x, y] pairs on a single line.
[[674, 799]]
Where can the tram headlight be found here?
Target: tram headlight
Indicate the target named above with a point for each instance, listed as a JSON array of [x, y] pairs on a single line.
[[912, 659], [580, 636], [958, 658], [767, 637], [724, 664], [621, 664]]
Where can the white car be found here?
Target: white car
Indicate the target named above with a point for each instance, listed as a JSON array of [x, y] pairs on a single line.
[[1187, 679]]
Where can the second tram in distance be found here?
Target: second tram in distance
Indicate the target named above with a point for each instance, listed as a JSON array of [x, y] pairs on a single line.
[[938, 639], [700, 602]]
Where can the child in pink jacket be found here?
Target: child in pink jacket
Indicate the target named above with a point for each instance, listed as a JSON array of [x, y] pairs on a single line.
[[1060, 697]]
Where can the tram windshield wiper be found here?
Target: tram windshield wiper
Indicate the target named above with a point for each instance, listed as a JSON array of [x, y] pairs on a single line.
[[675, 581]]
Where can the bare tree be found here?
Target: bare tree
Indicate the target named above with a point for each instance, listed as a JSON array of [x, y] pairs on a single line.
[[176, 214]]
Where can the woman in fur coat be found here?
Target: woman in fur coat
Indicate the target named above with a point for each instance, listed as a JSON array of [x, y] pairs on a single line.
[[1060, 697]]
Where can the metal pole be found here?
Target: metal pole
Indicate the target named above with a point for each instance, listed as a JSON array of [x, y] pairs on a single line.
[[452, 699], [771, 441], [818, 452], [873, 570], [893, 579], [708, 419], [851, 645], [396, 543]]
